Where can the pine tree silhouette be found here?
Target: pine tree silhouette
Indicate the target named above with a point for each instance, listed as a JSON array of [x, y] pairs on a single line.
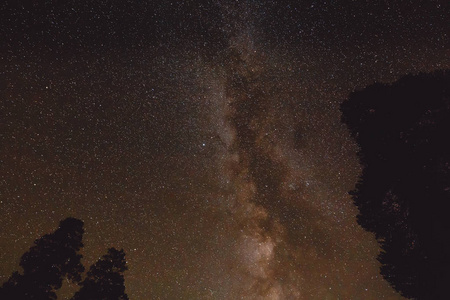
[[403, 131], [105, 279], [53, 257]]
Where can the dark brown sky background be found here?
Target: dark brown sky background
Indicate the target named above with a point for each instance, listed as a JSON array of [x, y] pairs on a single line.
[[203, 138]]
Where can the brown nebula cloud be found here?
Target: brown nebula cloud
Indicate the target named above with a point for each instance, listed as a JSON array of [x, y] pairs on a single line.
[[272, 216], [289, 226]]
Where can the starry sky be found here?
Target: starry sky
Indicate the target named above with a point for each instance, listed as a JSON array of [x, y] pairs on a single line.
[[202, 137]]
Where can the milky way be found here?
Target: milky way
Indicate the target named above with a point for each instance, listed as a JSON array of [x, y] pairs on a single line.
[[204, 140], [279, 209]]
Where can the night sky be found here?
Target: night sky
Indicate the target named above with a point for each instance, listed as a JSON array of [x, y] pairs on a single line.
[[203, 138]]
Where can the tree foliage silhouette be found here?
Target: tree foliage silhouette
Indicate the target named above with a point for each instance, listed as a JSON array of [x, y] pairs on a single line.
[[403, 131], [105, 279], [52, 258], [56, 256]]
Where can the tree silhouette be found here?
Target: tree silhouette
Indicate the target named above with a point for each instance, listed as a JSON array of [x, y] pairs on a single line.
[[403, 132], [53, 257], [105, 279]]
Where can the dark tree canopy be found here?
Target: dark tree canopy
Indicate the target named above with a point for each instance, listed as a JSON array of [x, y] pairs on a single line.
[[53, 257], [403, 131], [105, 279]]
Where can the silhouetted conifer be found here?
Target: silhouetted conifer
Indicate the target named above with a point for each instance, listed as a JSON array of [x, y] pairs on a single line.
[[105, 279], [403, 131], [53, 257]]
